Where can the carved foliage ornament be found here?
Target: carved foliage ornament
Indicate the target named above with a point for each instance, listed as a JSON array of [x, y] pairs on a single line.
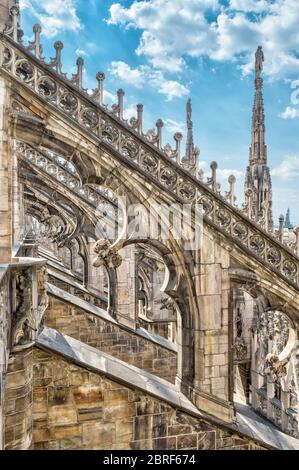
[[22, 321], [107, 255]]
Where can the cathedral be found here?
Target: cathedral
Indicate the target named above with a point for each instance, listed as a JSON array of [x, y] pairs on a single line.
[[141, 307]]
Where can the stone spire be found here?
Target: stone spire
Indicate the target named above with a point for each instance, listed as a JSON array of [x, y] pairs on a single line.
[[5, 17], [191, 156], [189, 142], [288, 224], [258, 187]]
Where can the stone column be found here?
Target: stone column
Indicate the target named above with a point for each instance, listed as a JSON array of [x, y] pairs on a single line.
[[17, 204], [5, 176], [19, 400], [213, 338], [97, 278], [126, 284]]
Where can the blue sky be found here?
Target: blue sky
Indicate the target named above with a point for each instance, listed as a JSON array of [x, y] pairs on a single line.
[[163, 51]]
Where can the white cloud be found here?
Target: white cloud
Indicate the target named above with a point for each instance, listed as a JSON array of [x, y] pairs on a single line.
[[126, 74], [256, 6], [81, 52], [169, 28], [146, 74], [170, 32], [108, 97], [130, 111], [289, 113], [224, 173], [174, 126], [171, 89], [288, 168], [54, 15]]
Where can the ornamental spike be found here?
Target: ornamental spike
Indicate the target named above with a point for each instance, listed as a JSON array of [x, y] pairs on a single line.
[[78, 77], [36, 43], [281, 228], [159, 126], [120, 106], [178, 139], [139, 117], [15, 13], [230, 196], [56, 62], [98, 94]]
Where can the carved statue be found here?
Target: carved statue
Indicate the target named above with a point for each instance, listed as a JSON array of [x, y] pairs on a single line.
[[107, 255], [259, 59], [22, 321], [274, 368], [240, 349]]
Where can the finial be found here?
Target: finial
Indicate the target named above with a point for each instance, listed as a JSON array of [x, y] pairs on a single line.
[[178, 138], [98, 94], [230, 195], [213, 180], [118, 108], [56, 62], [15, 13], [259, 59], [78, 77], [37, 46], [281, 227], [136, 124], [159, 125], [190, 160], [12, 29], [120, 95], [139, 117], [189, 114]]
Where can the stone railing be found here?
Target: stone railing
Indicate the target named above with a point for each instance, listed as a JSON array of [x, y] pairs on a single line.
[[272, 409], [131, 147], [48, 163]]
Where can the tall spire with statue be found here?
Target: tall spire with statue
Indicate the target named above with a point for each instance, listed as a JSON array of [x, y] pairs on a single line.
[[189, 142], [191, 157], [288, 224], [258, 186]]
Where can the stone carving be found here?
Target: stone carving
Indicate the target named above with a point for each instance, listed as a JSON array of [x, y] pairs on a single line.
[[107, 255], [59, 168], [168, 304], [240, 349], [43, 299], [156, 163], [273, 368], [259, 59], [23, 324]]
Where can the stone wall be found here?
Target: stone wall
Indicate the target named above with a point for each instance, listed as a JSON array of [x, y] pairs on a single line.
[[88, 297], [77, 409], [18, 401], [111, 339]]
